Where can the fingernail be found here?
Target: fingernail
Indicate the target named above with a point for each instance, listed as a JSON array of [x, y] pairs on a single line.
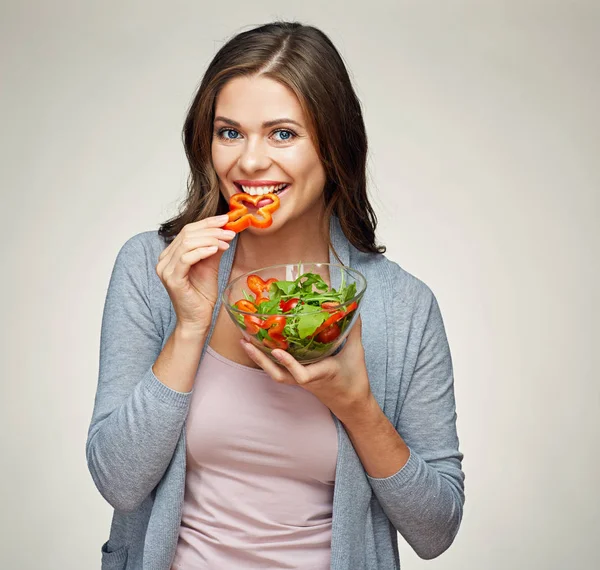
[[228, 233], [223, 218]]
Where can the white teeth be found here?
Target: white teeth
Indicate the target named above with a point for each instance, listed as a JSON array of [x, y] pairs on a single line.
[[262, 190]]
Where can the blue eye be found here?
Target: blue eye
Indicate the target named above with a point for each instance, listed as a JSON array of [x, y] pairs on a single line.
[[228, 134], [284, 135]]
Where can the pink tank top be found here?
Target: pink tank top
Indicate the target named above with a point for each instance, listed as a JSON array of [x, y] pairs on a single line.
[[261, 460]]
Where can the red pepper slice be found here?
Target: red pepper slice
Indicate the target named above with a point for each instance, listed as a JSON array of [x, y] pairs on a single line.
[[240, 219], [329, 334], [276, 341], [245, 305], [337, 316], [253, 324], [274, 325], [288, 305], [259, 287]]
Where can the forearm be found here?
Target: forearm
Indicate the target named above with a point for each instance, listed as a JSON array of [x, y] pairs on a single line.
[[377, 443], [422, 503], [177, 363], [129, 448]]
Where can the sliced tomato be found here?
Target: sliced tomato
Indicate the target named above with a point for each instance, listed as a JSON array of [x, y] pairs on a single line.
[[329, 334], [288, 305]]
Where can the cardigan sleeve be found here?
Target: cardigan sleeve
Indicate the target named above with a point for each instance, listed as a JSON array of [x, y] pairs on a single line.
[[137, 420], [424, 499]]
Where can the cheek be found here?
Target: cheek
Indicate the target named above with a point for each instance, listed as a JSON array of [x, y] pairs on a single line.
[[315, 173], [222, 158], [303, 164]]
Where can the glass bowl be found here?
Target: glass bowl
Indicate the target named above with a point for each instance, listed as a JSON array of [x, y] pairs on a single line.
[[306, 309]]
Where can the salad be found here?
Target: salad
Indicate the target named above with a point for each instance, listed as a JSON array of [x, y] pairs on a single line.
[[304, 317]]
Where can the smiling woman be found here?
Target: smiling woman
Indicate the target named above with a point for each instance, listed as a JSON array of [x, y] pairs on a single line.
[[212, 454], [299, 111]]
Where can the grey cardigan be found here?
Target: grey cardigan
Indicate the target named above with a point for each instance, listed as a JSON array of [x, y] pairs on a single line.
[[136, 442]]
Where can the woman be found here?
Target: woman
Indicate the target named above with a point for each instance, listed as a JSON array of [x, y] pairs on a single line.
[[212, 455]]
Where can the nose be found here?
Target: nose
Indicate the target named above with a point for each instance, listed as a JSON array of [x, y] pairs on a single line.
[[254, 157]]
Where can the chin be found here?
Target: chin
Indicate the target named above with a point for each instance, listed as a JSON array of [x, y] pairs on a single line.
[[273, 228]]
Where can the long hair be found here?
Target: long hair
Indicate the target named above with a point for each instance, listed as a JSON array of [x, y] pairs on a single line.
[[305, 60]]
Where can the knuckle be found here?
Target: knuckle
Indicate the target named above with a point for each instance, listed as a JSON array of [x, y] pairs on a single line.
[[303, 379], [279, 378]]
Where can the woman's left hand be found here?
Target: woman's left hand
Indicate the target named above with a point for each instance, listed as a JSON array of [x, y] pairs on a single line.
[[340, 382]]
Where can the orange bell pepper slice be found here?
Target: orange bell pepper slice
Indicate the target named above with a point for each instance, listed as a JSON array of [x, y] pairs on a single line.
[[253, 324], [245, 305], [259, 287], [274, 325], [240, 218], [276, 341]]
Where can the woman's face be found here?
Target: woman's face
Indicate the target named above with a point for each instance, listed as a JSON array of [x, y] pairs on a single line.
[[260, 141]]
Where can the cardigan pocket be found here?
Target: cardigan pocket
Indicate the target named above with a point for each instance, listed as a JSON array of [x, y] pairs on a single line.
[[115, 559]]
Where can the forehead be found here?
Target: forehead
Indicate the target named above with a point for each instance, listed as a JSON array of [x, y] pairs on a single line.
[[258, 99]]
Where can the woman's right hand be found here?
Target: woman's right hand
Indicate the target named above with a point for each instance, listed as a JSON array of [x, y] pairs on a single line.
[[189, 267]]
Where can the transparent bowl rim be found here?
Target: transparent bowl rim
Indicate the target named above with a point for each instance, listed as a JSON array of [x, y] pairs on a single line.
[[360, 291]]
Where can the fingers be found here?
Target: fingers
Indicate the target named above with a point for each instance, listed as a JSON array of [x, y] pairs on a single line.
[[187, 234], [190, 251], [195, 242], [279, 374], [179, 266], [299, 372]]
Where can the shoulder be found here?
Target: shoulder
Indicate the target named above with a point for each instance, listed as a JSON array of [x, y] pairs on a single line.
[[134, 274], [142, 249], [137, 259], [148, 242], [393, 281]]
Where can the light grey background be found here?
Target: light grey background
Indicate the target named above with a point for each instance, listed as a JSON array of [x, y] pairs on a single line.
[[484, 131]]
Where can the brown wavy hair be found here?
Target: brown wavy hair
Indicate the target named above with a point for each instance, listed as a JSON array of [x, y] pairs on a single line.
[[305, 60]]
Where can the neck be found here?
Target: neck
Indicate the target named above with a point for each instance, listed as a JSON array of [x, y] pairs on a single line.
[[299, 240]]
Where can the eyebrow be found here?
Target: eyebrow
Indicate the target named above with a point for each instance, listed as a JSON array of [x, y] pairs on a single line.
[[265, 125]]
